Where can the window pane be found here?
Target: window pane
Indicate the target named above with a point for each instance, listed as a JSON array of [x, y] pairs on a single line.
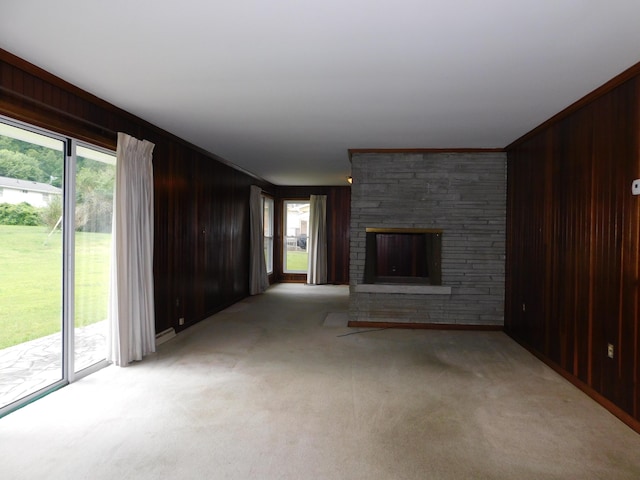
[[296, 216], [267, 218], [95, 180], [31, 175]]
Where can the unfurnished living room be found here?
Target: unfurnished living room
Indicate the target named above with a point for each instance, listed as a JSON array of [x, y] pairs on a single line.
[[332, 240]]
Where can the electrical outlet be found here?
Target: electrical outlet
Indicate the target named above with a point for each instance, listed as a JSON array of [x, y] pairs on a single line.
[[635, 187], [524, 307], [181, 321], [610, 350]]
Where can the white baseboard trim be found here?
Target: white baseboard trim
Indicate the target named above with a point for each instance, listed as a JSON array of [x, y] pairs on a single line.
[[165, 336]]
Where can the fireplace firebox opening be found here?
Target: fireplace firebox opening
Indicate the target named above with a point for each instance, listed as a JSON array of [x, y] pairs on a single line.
[[403, 256]]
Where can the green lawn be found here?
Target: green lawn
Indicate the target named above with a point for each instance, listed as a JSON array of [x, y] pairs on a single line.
[[31, 281], [297, 260]]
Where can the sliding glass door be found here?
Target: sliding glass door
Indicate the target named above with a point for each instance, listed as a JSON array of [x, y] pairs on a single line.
[[94, 187], [31, 254], [56, 203]]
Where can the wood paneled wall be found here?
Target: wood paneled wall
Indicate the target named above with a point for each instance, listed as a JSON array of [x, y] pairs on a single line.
[[338, 220], [573, 244], [202, 236], [201, 202]]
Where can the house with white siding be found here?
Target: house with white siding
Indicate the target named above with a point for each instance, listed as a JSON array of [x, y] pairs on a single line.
[[37, 194]]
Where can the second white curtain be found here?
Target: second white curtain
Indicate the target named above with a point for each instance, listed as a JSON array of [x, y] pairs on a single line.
[[131, 315], [258, 278], [317, 241]]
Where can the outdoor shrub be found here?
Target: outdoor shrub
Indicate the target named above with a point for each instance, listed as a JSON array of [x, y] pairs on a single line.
[[51, 214], [20, 214]]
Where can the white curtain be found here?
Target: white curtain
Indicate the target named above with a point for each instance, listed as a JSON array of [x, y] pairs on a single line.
[[258, 278], [131, 316], [317, 241]]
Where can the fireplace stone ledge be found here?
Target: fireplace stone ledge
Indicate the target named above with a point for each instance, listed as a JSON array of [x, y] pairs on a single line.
[[403, 289]]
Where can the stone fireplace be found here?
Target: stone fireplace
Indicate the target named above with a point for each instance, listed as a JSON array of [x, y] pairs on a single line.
[[427, 237]]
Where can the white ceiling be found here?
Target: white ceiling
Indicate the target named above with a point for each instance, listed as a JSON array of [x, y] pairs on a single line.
[[282, 88]]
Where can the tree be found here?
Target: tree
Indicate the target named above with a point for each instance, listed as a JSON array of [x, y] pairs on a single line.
[[21, 157], [19, 165], [94, 201], [51, 163], [94, 181]]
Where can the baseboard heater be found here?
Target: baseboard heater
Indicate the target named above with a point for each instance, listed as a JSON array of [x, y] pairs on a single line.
[[165, 336]]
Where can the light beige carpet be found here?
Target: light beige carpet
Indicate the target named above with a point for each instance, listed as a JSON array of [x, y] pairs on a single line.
[[269, 390]]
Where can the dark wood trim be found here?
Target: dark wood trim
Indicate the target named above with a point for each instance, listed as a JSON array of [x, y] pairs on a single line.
[[425, 326], [50, 78], [293, 278], [424, 150], [100, 129], [611, 85], [576, 382]]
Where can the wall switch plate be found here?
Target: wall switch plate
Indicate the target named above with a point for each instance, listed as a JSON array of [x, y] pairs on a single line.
[[635, 187], [609, 350]]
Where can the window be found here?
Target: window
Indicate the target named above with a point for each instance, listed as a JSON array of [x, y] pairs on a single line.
[[56, 262], [296, 227], [267, 222]]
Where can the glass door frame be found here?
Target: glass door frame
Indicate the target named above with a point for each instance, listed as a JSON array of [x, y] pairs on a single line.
[[72, 271], [69, 264], [297, 238], [68, 373]]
